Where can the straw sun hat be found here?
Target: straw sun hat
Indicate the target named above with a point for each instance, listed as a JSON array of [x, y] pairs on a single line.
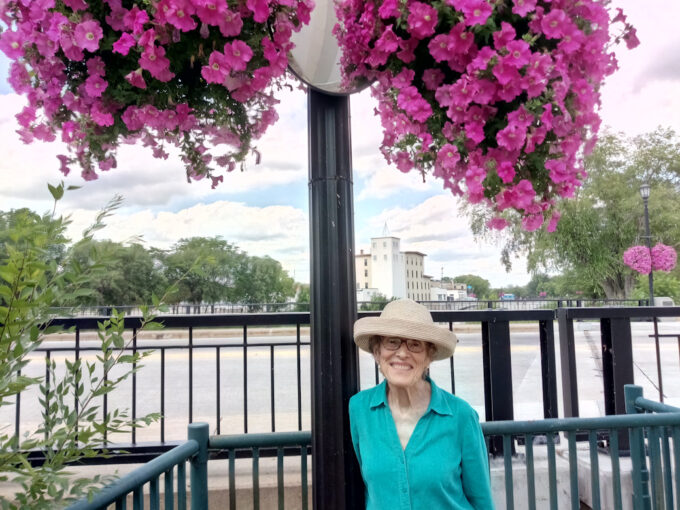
[[405, 318]]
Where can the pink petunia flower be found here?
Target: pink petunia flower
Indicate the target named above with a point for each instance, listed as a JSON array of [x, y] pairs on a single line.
[[523, 7], [555, 24], [260, 9], [124, 43], [12, 44], [210, 11], [136, 79], [217, 69], [237, 55], [180, 15], [87, 35], [422, 20], [519, 53], [95, 85]]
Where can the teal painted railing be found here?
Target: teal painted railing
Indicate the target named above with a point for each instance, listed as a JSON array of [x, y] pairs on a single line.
[[653, 431]]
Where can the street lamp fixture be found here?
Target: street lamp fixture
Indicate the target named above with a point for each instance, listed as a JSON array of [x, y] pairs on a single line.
[[644, 193]]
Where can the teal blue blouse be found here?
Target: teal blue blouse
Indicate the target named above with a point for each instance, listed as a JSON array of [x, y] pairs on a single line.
[[444, 466]]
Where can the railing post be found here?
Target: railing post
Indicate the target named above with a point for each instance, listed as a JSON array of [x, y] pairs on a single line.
[[568, 362], [548, 369], [199, 466], [639, 473]]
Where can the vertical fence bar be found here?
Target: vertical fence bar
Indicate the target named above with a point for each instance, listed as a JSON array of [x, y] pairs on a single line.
[[279, 476], [47, 390], [656, 478], [138, 499], [169, 490], [548, 369], [199, 466], [667, 471], [218, 377], [271, 387], [507, 464], [154, 494], [676, 457], [245, 379], [531, 485], [639, 473], [133, 411], [191, 374], [594, 470], [121, 503], [162, 394], [232, 479], [77, 356], [616, 469], [256, 478], [299, 375], [17, 413], [568, 362], [303, 476], [552, 471], [573, 472], [181, 486]]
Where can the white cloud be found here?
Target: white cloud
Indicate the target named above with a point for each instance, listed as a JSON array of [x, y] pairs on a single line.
[[278, 231], [140, 178]]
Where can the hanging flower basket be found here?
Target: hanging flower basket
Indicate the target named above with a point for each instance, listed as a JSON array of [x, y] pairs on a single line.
[[662, 258], [195, 74], [497, 98]]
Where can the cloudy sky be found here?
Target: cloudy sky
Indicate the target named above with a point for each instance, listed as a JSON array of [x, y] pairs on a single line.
[[264, 209]]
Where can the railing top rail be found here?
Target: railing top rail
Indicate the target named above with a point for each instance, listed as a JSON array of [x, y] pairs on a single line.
[[644, 404], [618, 421], [295, 318], [139, 476], [264, 440], [618, 312]]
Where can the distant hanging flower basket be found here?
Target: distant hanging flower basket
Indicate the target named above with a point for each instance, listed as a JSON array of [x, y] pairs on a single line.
[[196, 74], [497, 98], [662, 258]]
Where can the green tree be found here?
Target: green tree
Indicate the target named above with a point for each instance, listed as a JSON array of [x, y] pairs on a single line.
[[262, 280], [302, 298], [133, 274], [207, 265], [606, 215], [377, 302], [73, 427], [480, 286]]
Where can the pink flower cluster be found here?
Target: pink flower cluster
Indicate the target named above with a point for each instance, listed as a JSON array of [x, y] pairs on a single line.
[[195, 74], [498, 99], [663, 258]]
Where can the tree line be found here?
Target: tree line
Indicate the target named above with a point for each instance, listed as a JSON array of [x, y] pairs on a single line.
[[203, 270]]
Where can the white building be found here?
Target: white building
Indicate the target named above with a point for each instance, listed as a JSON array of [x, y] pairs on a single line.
[[389, 271]]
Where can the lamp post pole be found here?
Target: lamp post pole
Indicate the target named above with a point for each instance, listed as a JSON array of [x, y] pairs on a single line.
[[644, 192]]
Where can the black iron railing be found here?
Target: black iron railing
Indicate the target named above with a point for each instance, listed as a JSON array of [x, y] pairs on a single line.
[[238, 373]]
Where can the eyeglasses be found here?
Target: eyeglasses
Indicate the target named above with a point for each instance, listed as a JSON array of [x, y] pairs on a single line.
[[392, 343]]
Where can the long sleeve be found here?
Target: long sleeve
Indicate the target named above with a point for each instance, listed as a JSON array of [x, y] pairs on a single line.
[[475, 466]]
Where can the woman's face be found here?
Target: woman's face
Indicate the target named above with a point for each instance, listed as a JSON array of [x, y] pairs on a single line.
[[402, 367]]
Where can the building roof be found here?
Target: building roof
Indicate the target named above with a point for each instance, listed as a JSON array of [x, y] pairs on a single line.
[[416, 253]]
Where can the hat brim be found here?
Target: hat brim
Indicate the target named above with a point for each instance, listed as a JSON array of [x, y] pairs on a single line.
[[443, 339]]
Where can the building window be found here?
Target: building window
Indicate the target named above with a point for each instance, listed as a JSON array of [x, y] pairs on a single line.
[[384, 257], [384, 244], [374, 257], [365, 285], [374, 245], [365, 272], [365, 262]]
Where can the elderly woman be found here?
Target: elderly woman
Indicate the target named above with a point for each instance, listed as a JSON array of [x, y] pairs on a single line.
[[418, 446]]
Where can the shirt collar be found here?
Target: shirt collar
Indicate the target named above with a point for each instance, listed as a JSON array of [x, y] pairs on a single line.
[[438, 402]]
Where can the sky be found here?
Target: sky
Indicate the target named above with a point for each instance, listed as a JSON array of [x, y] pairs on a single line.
[[264, 209]]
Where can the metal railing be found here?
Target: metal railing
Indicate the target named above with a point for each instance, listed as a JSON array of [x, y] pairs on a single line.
[[225, 393], [654, 431], [462, 304]]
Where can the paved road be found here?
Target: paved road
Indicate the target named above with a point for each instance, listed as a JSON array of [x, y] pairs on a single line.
[[526, 374]]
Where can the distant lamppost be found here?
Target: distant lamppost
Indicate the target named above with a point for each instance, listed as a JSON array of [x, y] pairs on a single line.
[[644, 193]]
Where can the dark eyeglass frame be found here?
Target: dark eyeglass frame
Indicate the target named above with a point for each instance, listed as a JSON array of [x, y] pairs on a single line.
[[390, 343]]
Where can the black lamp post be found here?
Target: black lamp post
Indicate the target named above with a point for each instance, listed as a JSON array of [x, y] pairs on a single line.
[[644, 193]]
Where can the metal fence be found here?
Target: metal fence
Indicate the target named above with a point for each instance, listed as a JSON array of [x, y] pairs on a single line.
[[463, 304], [653, 429], [241, 372]]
